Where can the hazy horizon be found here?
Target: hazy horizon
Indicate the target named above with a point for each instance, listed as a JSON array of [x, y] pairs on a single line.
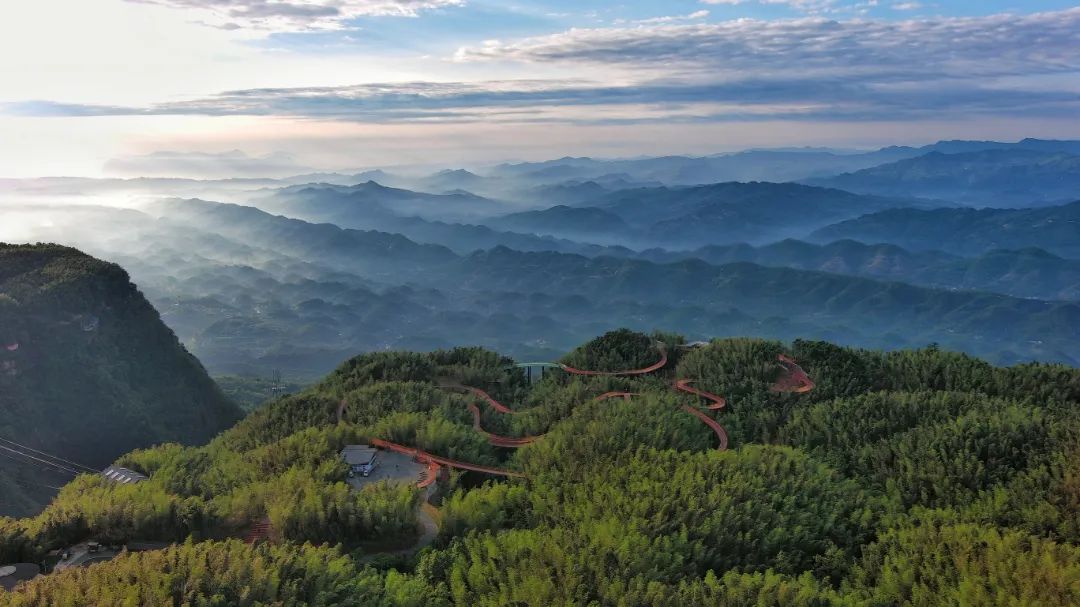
[[347, 84]]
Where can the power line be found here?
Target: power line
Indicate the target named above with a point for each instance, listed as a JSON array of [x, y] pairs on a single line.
[[49, 455], [27, 484], [41, 469], [46, 462], [33, 465], [49, 466]]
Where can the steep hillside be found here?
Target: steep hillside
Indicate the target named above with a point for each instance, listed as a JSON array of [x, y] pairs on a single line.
[[702, 479], [88, 370]]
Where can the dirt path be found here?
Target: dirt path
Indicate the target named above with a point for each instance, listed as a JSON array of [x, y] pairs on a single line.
[[429, 530]]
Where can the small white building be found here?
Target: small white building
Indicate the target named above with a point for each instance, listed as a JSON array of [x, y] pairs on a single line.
[[361, 459]]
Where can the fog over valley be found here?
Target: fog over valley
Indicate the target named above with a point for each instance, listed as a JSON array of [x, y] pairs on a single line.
[[295, 273], [448, 303]]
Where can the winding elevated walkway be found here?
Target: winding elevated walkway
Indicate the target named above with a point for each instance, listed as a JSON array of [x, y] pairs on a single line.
[[717, 402], [622, 395], [496, 439], [430, 458], [501, 408], [721, 433], [794, 378], [660, 364]]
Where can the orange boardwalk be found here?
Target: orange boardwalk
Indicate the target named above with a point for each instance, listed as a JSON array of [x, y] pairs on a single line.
[[794, 378], [717, 401], [495, 439], [428, 458], [660, 364], [721, 433]]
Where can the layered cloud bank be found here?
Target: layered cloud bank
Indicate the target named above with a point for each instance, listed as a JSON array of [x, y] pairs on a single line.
[[995, 45], [326, 80], [801, 69], [297, 15]]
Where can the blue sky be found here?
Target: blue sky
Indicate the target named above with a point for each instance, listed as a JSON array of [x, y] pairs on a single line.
[[434, 30], [345, 84]]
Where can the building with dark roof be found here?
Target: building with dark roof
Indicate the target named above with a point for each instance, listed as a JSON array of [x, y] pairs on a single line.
[[361, 459], [123, 476]]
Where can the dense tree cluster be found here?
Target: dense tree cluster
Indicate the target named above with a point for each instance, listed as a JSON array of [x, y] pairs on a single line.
[[906, 478], [223, 573]]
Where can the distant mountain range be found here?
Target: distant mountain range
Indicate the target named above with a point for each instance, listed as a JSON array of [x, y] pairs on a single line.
[[591, 224], [764, 165], [1028, 273], [758, 165], [758, 212], [966, 231], [669, 217], [371, 198], [816, 303], [1009, 177], [981, 173], [367, 252], [298, 273]]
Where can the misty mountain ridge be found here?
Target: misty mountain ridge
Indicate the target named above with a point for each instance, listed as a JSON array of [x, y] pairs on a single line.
[[1028, 273], [505, 296], [966, 231], [1003, 178], [300, 273]]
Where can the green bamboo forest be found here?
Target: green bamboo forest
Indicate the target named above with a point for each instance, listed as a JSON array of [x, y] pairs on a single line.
[[920, 477]]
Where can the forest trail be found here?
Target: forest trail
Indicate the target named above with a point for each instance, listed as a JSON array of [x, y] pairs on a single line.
[[261, 531]]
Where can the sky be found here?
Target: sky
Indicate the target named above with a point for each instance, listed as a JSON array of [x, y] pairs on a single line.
[[273, 87]]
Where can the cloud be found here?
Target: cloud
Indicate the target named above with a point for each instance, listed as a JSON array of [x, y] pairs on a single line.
[[295, 15], [808, 6], [233, 163], [748, 98], [942, 47], [673, 18], [744, 70]]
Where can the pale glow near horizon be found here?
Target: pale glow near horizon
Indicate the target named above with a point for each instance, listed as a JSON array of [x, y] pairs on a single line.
[[139, 57]]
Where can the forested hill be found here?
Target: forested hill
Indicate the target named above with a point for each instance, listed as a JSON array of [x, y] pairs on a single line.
[[902, 478], [88, 370]]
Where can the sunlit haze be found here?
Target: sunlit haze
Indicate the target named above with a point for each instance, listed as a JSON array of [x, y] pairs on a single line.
[[89, 87]]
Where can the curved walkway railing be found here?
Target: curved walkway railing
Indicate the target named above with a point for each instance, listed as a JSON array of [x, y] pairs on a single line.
[[795, 380], [429, 458], [721, 433], [718, 402], [496, 439], [660, 364]]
